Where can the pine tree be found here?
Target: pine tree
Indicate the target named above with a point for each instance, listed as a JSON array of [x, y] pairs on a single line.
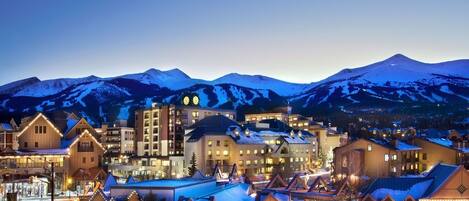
[[193, 168]]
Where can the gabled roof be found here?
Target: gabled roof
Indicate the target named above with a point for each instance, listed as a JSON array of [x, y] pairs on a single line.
[[296, 182], [70, 142], [36, 117], [276, 181], [109, 182], [318, 184]]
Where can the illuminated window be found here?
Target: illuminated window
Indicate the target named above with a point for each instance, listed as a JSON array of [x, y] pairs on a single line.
[[262, 151], [225, 153], [248, 152], [248, 162], [369, 147], [386, 157], [240, 162], [394, 169], [217, 152], [210, 143], [241, 152], [210, 152], [255, 151], [394, 157], [255, 162]]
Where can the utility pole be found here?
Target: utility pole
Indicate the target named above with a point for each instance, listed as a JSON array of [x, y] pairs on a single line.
[[52, 182]]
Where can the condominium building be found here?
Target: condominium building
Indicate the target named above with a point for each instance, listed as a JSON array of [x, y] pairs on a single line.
[[377, 158], [119, 142]]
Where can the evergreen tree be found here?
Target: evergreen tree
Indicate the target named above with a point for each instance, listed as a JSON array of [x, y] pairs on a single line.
[[193, 168]]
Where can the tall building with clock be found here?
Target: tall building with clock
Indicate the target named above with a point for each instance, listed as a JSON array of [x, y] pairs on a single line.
[[160, 129]]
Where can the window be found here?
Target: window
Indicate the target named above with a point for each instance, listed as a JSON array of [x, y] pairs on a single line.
[[218, 143], [262, 151], [25, 144], [255, 151], [217, 152], [225, 153], [344, 161], [36, 144], [394, 169], [386, 157], [248, 152], [369, 147], [394, 157], [40, 129], [424, 156], [240, 162], [83, 160], [44, 129], [36, 129], [241, 152], [92, 159], [210, 152], [248, 162], [209, 143]]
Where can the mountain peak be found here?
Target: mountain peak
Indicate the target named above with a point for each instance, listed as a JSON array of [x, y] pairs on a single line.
[[399, 58]]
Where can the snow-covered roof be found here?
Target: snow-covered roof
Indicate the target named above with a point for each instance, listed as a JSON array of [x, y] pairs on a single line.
[[6, 127], [398, 145], [417, 187], [447, 143], [230, 192], [402, 146], [64, 151], [165, 183]]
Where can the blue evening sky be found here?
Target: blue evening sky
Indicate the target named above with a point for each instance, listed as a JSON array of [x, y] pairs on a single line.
[[297, 41]]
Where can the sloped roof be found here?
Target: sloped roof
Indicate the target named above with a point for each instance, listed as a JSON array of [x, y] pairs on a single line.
[[5, 127], [214, 123], [399, 188], [439, 173]]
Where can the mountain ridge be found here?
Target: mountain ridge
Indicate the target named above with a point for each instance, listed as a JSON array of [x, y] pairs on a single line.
[[391, 85]]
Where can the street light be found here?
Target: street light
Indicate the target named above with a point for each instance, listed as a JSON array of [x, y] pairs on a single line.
[[69, 182]]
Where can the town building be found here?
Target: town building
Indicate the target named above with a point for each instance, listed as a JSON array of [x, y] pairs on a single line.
[[328, 137], [452, 149], [71, 148], [218, 141], [196, 188], [442, 182], [376, 158], [119, 142]]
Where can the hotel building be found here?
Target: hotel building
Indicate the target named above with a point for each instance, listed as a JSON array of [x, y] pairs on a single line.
[[220, 141]]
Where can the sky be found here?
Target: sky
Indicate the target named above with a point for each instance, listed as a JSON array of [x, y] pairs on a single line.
[[297, 41]]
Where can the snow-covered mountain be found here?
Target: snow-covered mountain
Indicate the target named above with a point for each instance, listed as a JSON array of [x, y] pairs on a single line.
[[51, 87], [395, 83], [16, 86], [395, 80], [172, 79], [262, 82]]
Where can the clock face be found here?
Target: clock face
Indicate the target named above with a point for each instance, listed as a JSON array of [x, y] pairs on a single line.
[[186, 100], [195, 100]]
